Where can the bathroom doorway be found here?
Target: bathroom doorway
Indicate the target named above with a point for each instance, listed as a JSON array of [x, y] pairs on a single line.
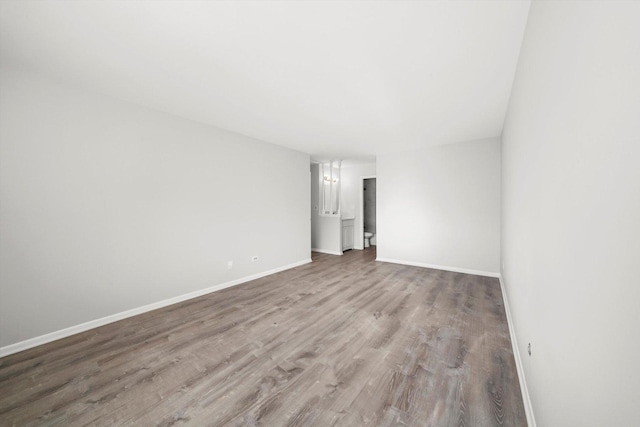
[[369, 211]]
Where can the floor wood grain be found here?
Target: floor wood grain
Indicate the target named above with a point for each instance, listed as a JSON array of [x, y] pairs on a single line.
[[341, 341]]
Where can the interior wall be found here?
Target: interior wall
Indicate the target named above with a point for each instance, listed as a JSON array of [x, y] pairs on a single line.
[[351, 193], [571, 211], [440, 206], [106, 207]]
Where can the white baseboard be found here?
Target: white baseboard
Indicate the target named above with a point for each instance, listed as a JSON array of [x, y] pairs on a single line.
[[526, 399], [440, 267], [324, 251], [63, 333]]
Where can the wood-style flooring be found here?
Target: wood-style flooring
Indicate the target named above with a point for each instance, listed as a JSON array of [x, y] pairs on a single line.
[[341, 341]]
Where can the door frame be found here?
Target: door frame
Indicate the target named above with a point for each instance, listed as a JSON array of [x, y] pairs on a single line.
[[361, 208]]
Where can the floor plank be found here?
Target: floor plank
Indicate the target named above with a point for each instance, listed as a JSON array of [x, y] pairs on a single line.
[[341, 341]]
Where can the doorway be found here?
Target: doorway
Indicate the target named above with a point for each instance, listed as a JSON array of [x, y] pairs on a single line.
[[369, 211]]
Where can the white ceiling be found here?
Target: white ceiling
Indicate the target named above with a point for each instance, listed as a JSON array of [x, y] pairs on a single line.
[[348, 79]]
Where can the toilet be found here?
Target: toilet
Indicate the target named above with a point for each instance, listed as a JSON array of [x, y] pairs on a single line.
[[367, 238]]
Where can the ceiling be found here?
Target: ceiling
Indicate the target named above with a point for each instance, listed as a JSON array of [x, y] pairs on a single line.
[[335, 79]]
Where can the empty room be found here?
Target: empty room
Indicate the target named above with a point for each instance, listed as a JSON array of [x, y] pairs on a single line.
[[316, 213]]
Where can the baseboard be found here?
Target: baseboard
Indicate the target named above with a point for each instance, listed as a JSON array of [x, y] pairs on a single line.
[[324, 251], [440, 267], [526, 399], [83, 327]]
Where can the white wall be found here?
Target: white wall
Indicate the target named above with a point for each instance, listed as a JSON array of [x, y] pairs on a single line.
[[351, 193], [440, 206], [571, 211], [105, 206]]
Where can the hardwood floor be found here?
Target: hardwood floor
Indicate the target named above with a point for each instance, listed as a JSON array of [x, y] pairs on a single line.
[[341, 341]]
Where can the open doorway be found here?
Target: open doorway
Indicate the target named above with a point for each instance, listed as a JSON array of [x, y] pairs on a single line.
[[369, 212]]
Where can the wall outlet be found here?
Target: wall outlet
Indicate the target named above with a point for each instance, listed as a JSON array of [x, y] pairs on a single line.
[[529, 349], [229, 265], [254, 258]]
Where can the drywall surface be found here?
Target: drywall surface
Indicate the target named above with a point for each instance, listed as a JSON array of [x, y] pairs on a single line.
[[571, 211], [351, 193], [441, 206], [105, 206], [326, 231]]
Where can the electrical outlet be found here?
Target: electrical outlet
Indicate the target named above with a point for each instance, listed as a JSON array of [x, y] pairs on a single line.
[[254, 258], [529, 349], [229, 265]]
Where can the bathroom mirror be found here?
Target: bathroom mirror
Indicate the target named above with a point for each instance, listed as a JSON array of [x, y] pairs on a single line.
[[330, 188]]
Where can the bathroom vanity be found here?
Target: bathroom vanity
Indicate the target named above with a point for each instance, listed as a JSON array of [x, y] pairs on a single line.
[[347, 233]]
